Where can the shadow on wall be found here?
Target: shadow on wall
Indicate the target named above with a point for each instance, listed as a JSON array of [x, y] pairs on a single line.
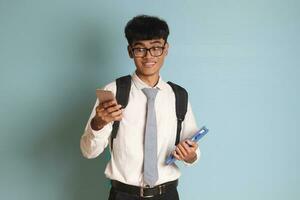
[[56, 154]]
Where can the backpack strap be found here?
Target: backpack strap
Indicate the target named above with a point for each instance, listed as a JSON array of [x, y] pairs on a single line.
[[181, 102], [122, 95]]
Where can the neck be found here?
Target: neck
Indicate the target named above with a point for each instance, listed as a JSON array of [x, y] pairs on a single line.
[[149, 80]]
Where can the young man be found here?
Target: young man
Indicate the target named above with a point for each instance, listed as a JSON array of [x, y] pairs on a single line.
[[147, 125]]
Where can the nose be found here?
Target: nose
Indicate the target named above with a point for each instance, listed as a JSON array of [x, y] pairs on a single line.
[[148, 54]]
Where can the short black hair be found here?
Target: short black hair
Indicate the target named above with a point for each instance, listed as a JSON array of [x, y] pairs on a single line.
[[145, 27]]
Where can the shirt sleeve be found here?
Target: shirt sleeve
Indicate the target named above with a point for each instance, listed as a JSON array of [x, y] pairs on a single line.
[[92, 142], [189, 128]]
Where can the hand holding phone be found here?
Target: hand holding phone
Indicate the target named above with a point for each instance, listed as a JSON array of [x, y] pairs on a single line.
[[107, 111]]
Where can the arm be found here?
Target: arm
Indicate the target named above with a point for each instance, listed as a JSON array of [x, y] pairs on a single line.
[[99, 126], [188, 151], [93, 142]]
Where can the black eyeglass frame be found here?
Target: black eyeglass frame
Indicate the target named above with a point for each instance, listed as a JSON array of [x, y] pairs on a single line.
[[147, 49]]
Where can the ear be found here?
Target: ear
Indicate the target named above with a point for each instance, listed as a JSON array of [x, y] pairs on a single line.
[[166, 48], [129, 51]]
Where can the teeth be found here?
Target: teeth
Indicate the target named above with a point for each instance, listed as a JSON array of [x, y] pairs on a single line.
[[149, 64]]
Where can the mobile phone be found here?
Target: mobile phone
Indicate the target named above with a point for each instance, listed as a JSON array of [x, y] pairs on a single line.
[[104, 95]]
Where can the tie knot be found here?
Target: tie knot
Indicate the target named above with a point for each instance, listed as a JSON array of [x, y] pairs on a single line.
[[150, 92]]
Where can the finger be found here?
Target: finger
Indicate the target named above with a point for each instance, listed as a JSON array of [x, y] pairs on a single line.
[[108, 118], [191, 143], [107, 104], [176, 155], [101, 113], [116, 113], [194, 145], [118, 118], [183, 151], [186, 146], [113, 108], [179, 153], [99, 109]]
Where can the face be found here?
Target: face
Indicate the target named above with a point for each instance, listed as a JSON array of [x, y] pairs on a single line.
[[148, 65]]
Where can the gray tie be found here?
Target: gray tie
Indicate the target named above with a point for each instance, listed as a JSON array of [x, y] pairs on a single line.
[[150, 146]]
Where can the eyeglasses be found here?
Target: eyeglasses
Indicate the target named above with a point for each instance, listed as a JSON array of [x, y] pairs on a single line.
[[142, 52]]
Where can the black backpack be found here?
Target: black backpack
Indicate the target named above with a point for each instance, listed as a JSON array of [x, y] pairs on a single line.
[[122, 96]]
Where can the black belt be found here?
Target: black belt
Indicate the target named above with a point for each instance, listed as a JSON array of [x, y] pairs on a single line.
[[145, 192]]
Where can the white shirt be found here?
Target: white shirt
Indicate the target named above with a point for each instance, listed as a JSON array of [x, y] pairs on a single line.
[[126, 164]]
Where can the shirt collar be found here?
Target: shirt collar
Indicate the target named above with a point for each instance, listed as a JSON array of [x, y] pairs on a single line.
[[141, 84]]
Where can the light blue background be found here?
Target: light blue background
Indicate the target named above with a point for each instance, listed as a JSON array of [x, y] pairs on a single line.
[[238, 59]]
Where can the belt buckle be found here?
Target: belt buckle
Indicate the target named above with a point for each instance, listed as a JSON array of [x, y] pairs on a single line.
[[142, 192], [160, 189]]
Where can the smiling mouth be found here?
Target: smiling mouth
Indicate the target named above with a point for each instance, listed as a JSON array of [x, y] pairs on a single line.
[[149, 64]]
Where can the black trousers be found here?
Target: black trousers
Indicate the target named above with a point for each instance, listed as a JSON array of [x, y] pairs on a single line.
[[117, 195]]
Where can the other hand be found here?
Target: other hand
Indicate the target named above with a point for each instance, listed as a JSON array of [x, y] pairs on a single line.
[[186, 151]]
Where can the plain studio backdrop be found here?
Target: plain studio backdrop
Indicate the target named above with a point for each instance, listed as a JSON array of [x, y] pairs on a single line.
[[239, 60]]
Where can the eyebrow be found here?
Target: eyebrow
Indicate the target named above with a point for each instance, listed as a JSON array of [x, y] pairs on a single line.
[[154, 42], [138, 43]]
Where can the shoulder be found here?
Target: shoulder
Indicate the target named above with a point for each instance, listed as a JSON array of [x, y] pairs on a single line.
[[177, 89], [111, 87]]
